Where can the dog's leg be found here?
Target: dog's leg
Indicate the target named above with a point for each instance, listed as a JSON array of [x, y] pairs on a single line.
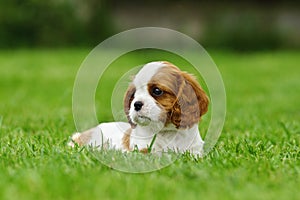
[[83, 138]]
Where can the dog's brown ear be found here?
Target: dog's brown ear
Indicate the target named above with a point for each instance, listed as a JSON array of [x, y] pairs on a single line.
[[129, 95], [202, 98], [192, 103]]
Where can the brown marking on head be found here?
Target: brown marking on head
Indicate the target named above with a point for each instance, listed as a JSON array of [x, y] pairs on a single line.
[[183, 99], [129, 95]]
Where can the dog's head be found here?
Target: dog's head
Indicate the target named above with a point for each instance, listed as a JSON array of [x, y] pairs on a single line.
[[160, 95]]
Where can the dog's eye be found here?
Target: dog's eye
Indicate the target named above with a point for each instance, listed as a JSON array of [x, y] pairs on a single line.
[[157, 92]]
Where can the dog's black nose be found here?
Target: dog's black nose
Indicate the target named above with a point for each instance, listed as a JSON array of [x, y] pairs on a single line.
[[138, 105]]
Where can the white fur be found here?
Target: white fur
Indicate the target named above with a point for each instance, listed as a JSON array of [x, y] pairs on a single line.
[[150, 110], [146, 73], [109, 135], [168, 138]]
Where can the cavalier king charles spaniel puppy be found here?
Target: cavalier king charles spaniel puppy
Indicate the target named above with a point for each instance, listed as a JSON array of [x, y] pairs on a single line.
[[163, 106]]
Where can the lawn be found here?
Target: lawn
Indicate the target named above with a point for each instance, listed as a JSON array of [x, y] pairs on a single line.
[[256, 157]]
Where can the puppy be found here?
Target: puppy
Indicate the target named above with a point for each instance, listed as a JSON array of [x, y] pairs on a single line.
[[163, 106]]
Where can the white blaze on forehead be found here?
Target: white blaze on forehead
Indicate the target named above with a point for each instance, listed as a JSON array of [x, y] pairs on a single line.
[[146, 73]]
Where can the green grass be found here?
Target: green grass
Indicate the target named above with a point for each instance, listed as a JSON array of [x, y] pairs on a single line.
[[256, 157]]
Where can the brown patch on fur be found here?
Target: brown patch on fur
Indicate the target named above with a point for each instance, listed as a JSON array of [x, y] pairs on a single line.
[[183, 100], [126, 139], [126, 142], [144, 151], [84, 137], [128, 97]]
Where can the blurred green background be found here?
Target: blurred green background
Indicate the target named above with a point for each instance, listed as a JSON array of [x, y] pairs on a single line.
[[247, 25]]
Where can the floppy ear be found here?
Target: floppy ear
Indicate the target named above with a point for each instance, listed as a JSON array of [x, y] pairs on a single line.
[[192, 103], [129, 95], [202, 98]]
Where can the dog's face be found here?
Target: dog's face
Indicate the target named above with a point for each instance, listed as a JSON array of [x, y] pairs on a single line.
[[161, 94]]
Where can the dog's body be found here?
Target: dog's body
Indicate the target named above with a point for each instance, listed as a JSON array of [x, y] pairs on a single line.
[[161, 101]]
